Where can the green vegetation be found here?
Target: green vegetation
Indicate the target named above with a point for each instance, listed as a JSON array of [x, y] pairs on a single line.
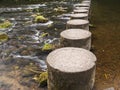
[[3, 37], [40, 19], [44, 34], [59, 9], [48, 47], [42, 78], [5, 24]]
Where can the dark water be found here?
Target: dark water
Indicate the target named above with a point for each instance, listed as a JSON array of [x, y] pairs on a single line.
[[106, 40]]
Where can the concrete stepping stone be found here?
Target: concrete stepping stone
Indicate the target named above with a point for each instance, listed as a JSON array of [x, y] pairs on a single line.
[[71, 69], [76, 38], [78, 24]]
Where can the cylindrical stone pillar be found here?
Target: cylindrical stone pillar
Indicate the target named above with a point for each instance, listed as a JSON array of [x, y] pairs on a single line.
[[76, 38], [71, 69], [77, 8], [83, 16], [84, 2], [78, 24], [81, 11], [82, 5]]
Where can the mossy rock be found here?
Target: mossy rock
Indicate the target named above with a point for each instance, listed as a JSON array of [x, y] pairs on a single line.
[[59, 9], [40, 19], [42, 79], [47, 47], [5, 24], [44, 34], [3, 37]]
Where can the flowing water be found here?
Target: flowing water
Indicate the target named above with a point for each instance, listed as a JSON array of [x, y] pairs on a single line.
[[21, 57]]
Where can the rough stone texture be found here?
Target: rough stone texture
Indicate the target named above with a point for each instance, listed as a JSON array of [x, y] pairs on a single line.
[[86, 2], [82, 5], [83, 16], [77, 8], [78, 24], [76, 38], [81, 11], [71, 69]]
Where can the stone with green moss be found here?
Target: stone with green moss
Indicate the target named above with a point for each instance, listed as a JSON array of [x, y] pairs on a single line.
[[3, 37], [47, 47], [42, 79], [59, 9], [44, 34], [5, 24], [40, 19]]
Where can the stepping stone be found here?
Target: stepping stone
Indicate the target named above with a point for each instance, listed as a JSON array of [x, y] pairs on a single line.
[[83, 16], [82, 5], [81, 11], [77, 8], [78, 24], [71, 69], [84, 2], [76, 38]]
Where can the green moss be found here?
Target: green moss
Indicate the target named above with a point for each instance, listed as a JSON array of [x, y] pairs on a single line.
[[3, 37], [42, 78], [40, 19], [5, 24], [47, 47], [44, 34], [59, 9]]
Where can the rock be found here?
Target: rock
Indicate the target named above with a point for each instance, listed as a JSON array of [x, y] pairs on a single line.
[[3, 37], [78, 24], [71, 69]]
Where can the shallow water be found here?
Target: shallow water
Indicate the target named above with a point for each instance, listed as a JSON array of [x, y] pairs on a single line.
[[22, 57], [106, 40]]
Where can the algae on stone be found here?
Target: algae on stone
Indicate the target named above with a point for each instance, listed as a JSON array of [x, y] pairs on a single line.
[[42, 78], [47, 47], [3, 37], [44, 34], [5, 24], [40, 19]]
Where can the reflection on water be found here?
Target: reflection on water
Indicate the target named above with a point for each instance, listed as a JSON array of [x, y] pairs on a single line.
[[106, 37]]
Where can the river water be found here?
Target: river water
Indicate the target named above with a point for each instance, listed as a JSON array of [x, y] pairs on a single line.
[[21, 57]]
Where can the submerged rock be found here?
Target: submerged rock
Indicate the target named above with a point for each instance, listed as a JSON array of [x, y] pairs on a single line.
[[5, 24], [3, 37], [47, 47], [40, 19], [42, 79]]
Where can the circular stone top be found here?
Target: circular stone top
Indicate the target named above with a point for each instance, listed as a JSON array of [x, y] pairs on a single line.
[[77, 22], [77, 8], [87, 1], [71, 59], [75, 34], [82, 5], [80, 11], [79, 15]]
